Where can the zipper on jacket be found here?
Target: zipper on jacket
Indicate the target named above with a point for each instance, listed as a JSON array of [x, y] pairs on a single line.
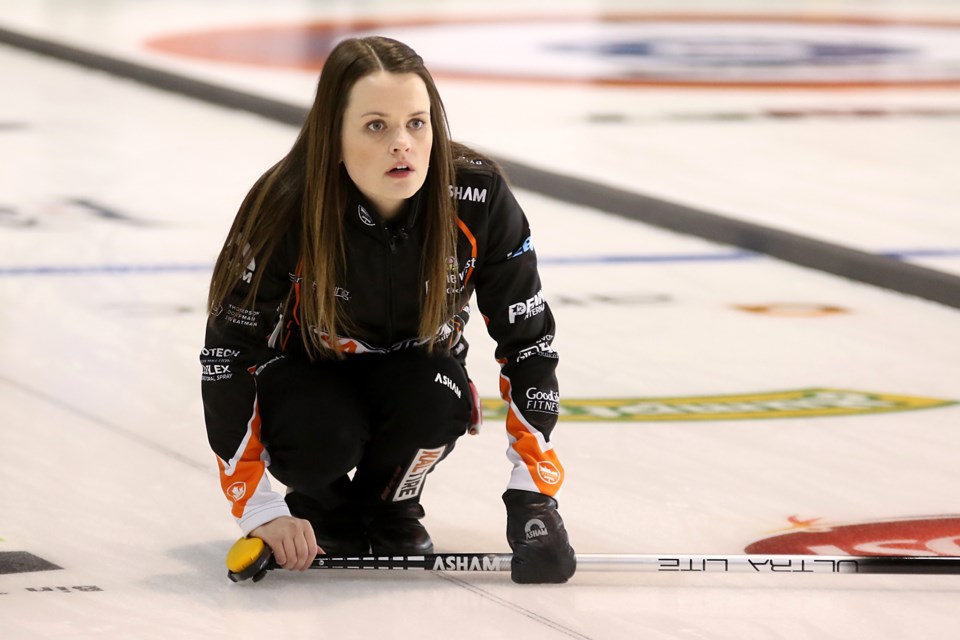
[[392, 244]]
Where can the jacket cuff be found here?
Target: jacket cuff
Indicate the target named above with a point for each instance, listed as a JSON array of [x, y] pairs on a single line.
[[262, 514]]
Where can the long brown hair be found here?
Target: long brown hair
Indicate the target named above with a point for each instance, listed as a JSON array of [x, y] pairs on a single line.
[[284, 196]]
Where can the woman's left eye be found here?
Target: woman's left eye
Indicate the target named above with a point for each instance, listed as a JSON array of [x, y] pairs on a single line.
[[417, 124]]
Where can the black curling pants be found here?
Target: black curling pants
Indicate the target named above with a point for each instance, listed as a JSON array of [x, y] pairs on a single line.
[[392, 417]]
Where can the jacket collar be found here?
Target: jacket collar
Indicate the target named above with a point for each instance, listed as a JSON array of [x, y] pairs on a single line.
[[364, 214]]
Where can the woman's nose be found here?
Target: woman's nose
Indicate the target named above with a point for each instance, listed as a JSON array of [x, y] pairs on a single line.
[[401, 142]]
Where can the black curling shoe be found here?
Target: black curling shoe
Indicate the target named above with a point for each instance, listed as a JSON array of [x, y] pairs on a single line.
[[339, 532], [395, 530]]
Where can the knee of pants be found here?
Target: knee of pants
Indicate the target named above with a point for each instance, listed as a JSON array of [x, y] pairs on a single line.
[[429, 401], [311, 423], [320, 450]]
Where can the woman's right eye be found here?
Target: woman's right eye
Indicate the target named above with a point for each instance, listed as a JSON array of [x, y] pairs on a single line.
[[376, 126]]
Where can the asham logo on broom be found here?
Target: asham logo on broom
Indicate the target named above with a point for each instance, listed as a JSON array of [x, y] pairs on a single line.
[[802, 403]]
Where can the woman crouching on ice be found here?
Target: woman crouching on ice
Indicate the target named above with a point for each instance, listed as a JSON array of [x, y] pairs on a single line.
[[336, 311]]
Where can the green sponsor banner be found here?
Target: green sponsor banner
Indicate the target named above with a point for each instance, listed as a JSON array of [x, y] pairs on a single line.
[[802, 403]]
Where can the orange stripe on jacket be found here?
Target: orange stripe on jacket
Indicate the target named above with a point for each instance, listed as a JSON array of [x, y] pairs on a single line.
[[544, 466], [240, 485], [473, 247]]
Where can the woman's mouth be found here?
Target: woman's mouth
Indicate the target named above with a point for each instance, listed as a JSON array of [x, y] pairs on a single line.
[[400, 171]]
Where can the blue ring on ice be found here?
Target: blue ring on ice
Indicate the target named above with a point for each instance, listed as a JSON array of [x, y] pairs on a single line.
[[726, 51]]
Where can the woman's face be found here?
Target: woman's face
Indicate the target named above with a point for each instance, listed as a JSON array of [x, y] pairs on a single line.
[[386, 138]]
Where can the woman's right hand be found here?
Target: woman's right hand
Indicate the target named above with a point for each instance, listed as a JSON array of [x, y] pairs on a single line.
[[292, 541]]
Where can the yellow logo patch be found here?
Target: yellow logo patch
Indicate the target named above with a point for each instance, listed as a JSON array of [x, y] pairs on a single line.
[[802, 403]]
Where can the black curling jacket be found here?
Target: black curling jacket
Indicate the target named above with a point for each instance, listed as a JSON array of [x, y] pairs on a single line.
[[380, 293]]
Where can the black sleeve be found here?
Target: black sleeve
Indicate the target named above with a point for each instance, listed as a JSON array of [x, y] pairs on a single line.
[[511, 299], [239, 338]]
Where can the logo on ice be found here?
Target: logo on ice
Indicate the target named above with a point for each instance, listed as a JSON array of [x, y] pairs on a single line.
[[926, 536], [527, 309]]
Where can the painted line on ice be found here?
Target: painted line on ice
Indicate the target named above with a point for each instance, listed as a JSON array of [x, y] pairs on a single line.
[[556, 261], [103, 269], [157, 269]]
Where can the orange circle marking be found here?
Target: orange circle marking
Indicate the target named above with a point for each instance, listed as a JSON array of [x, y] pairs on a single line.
[[793, 310], [924, 536], [304, 46]]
